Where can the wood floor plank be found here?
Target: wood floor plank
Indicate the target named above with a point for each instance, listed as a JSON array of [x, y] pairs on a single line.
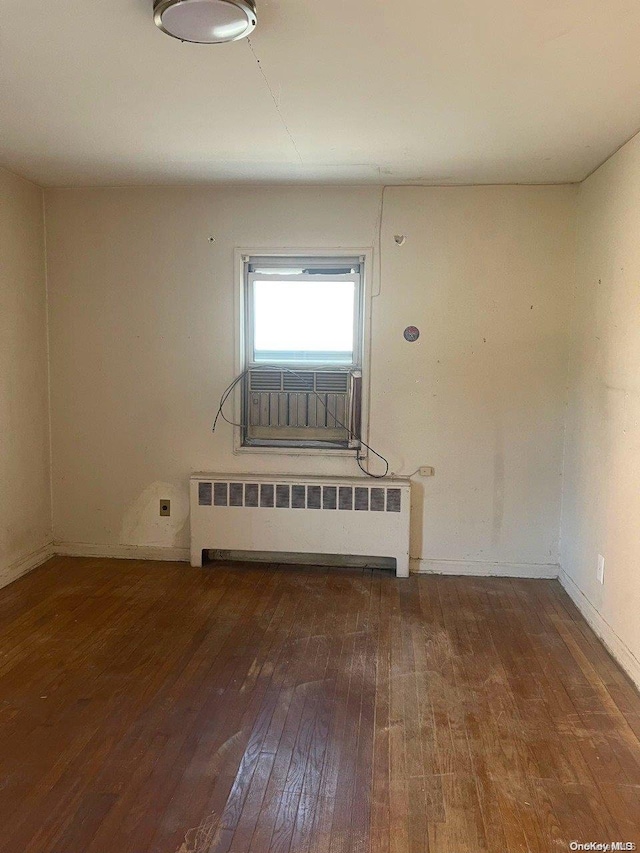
[[157, 708]]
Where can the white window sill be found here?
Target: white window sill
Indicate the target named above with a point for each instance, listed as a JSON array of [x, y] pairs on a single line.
[[299, 451]]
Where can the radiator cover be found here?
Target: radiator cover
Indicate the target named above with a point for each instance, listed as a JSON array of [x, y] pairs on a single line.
[[350, 516]]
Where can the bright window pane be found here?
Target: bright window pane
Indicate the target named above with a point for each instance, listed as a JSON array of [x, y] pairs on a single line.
[[304, 320]]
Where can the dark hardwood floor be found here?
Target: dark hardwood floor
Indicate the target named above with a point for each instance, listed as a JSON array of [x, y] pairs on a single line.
[[155, 707]]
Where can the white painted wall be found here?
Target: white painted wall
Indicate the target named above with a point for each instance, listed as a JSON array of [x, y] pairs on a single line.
[[601, 506], [142, 345], [485, 273], [25, 497]]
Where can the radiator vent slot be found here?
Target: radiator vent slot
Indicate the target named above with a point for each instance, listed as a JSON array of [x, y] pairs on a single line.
[[362, 499], [345, 497], [282, 497], [394, 500], [205, 492], [236, 493], [300, 496], [251, 494], [266, 495], [314, 497], [329, 497], [377, 500]]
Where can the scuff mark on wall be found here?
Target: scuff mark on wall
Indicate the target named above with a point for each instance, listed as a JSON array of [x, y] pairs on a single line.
[[498, 484]]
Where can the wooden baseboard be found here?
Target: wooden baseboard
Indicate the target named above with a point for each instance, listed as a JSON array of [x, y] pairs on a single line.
[[25, 564], [164, 554], [122, 552], [618, 648], [485, 569]]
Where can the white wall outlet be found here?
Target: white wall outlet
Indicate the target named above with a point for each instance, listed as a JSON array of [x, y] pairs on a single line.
[[427, 471], [600, 568]]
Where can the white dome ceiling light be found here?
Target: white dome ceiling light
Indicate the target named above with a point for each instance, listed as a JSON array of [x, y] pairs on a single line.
[[206, 21]]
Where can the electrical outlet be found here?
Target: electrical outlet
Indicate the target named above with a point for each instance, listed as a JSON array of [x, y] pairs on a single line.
[[165, 507], [600, 568], [427, 471]]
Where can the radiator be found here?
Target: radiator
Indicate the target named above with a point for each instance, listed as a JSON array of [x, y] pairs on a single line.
[[309, 515]]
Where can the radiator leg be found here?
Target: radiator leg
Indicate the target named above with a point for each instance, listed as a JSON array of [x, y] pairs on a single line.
[[196, 557], [402, 566]]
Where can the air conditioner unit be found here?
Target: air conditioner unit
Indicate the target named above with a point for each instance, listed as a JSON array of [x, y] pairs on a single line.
[[301, 405], [301, 515]]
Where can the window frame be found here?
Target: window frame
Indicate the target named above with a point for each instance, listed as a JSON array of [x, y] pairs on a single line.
[[362, 321]]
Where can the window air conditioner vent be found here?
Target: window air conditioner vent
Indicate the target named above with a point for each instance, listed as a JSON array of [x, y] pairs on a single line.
[[332, 382], [302, 406], [266, 380], [297, 382]]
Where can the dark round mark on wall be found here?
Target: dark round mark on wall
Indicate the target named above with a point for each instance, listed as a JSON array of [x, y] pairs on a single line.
[[411, 334]]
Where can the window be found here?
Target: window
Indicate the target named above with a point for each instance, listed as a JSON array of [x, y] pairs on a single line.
[[303, 329], [304, 321]]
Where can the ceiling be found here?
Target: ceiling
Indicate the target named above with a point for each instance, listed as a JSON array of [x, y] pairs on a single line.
[[347, 91]]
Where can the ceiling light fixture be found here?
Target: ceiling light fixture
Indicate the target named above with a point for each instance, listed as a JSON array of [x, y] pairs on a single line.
[[206, 21]]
